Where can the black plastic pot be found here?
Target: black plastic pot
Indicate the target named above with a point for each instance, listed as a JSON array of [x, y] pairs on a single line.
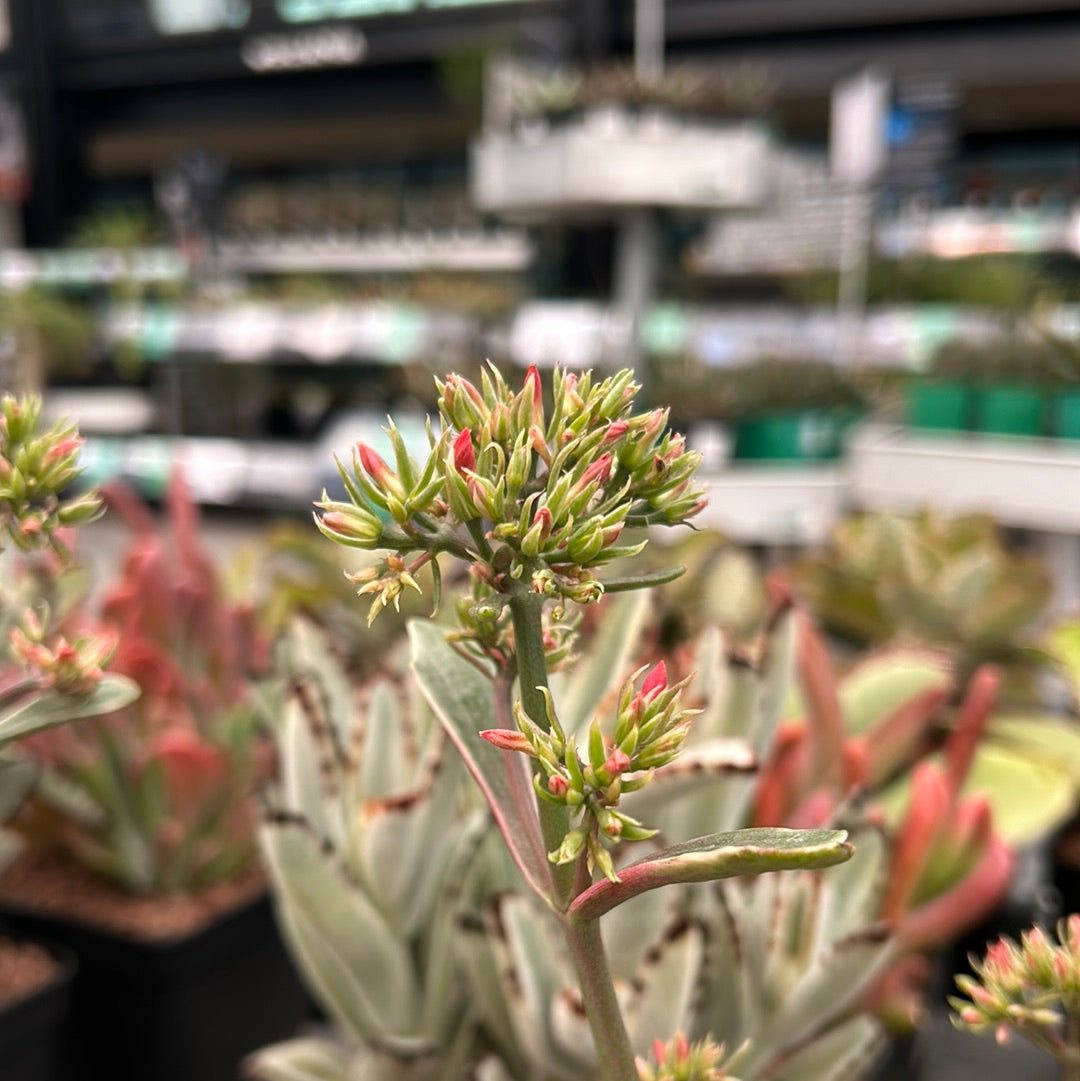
[[31, 1029], [179, 1010]]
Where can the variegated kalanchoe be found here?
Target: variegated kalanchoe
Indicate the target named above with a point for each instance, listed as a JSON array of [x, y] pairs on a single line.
[[533, 493]]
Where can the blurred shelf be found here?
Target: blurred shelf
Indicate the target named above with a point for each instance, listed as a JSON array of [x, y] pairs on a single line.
[[507, 251], [608, 160], [101, 410], [384, 332], [1030, 483], [20, 269], [771, 504], [220, 472]]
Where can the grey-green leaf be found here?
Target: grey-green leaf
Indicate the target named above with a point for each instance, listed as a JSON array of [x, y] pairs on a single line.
[[53, 708], [721, 855]]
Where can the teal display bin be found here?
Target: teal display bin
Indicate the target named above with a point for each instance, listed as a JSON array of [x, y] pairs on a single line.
[[809, 435], [1009, 409], [1066, 415], [939, 407]]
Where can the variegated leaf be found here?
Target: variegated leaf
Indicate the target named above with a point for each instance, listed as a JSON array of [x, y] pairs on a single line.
[[361, 971], [309, 1059], [463, 701], [721, 855], [52, 708]]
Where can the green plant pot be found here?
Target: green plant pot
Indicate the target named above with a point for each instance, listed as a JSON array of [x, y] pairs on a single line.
[[939, 406], [1009, 409], [810, 435], [1066, 415]]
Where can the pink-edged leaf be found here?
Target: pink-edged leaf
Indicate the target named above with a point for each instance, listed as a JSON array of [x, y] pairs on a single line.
[[980, 698], [825, 718], [925, 819], [904, 734], [721, 855], [463, 700], [963, 905]]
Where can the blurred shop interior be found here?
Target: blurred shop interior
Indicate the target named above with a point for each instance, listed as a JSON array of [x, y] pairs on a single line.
[[252, 227]]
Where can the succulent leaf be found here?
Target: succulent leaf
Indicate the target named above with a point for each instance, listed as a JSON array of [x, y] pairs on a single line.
[[49, 710], [742, 852], [360, 969], [463, 701]]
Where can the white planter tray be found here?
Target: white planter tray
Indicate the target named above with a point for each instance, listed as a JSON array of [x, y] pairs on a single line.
[[619, 160], [767, 504], [1030, 483]]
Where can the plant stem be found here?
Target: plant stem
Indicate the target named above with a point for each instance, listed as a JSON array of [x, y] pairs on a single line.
[[613, 1052], [583, 936], [525, 609], [1069, 1058]]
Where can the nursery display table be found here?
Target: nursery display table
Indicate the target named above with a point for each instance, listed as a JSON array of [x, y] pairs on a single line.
[[1031, 484], [758, 504], [607, 158]]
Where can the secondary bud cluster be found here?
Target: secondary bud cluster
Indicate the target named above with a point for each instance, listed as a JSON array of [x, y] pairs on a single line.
[[1024, 986], [58, 664], [534, 497], [649, 731], [680, 1060], [486, 631], [35, 470]]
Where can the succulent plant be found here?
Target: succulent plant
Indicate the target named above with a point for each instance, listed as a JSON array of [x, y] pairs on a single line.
[[780, 966], [368, 847], [948, 582], [45, 678], [158, 796], [1031, 988]]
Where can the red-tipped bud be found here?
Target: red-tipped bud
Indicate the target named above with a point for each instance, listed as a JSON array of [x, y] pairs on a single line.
[[600, 470], [544, 520], [464, 456], [557, 785], [506, 739], [373, 465], [616, 430], [532, 385], [63, 448], [617, 762], [655, 682]]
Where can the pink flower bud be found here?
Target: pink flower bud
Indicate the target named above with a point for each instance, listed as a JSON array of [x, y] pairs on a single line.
[[506, 739], [616, 430], [464, 456], [532, 384], [557, 785], [600, 470], [617, 762], [63, 448], [655, 682], [373, 465], [543, 519]]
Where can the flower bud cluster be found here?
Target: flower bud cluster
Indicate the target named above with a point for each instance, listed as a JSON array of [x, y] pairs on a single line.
[[58, 664], [649, 731], [532, 496], [35, 469], [486, 630], [1025, 986], [680, 1060]]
